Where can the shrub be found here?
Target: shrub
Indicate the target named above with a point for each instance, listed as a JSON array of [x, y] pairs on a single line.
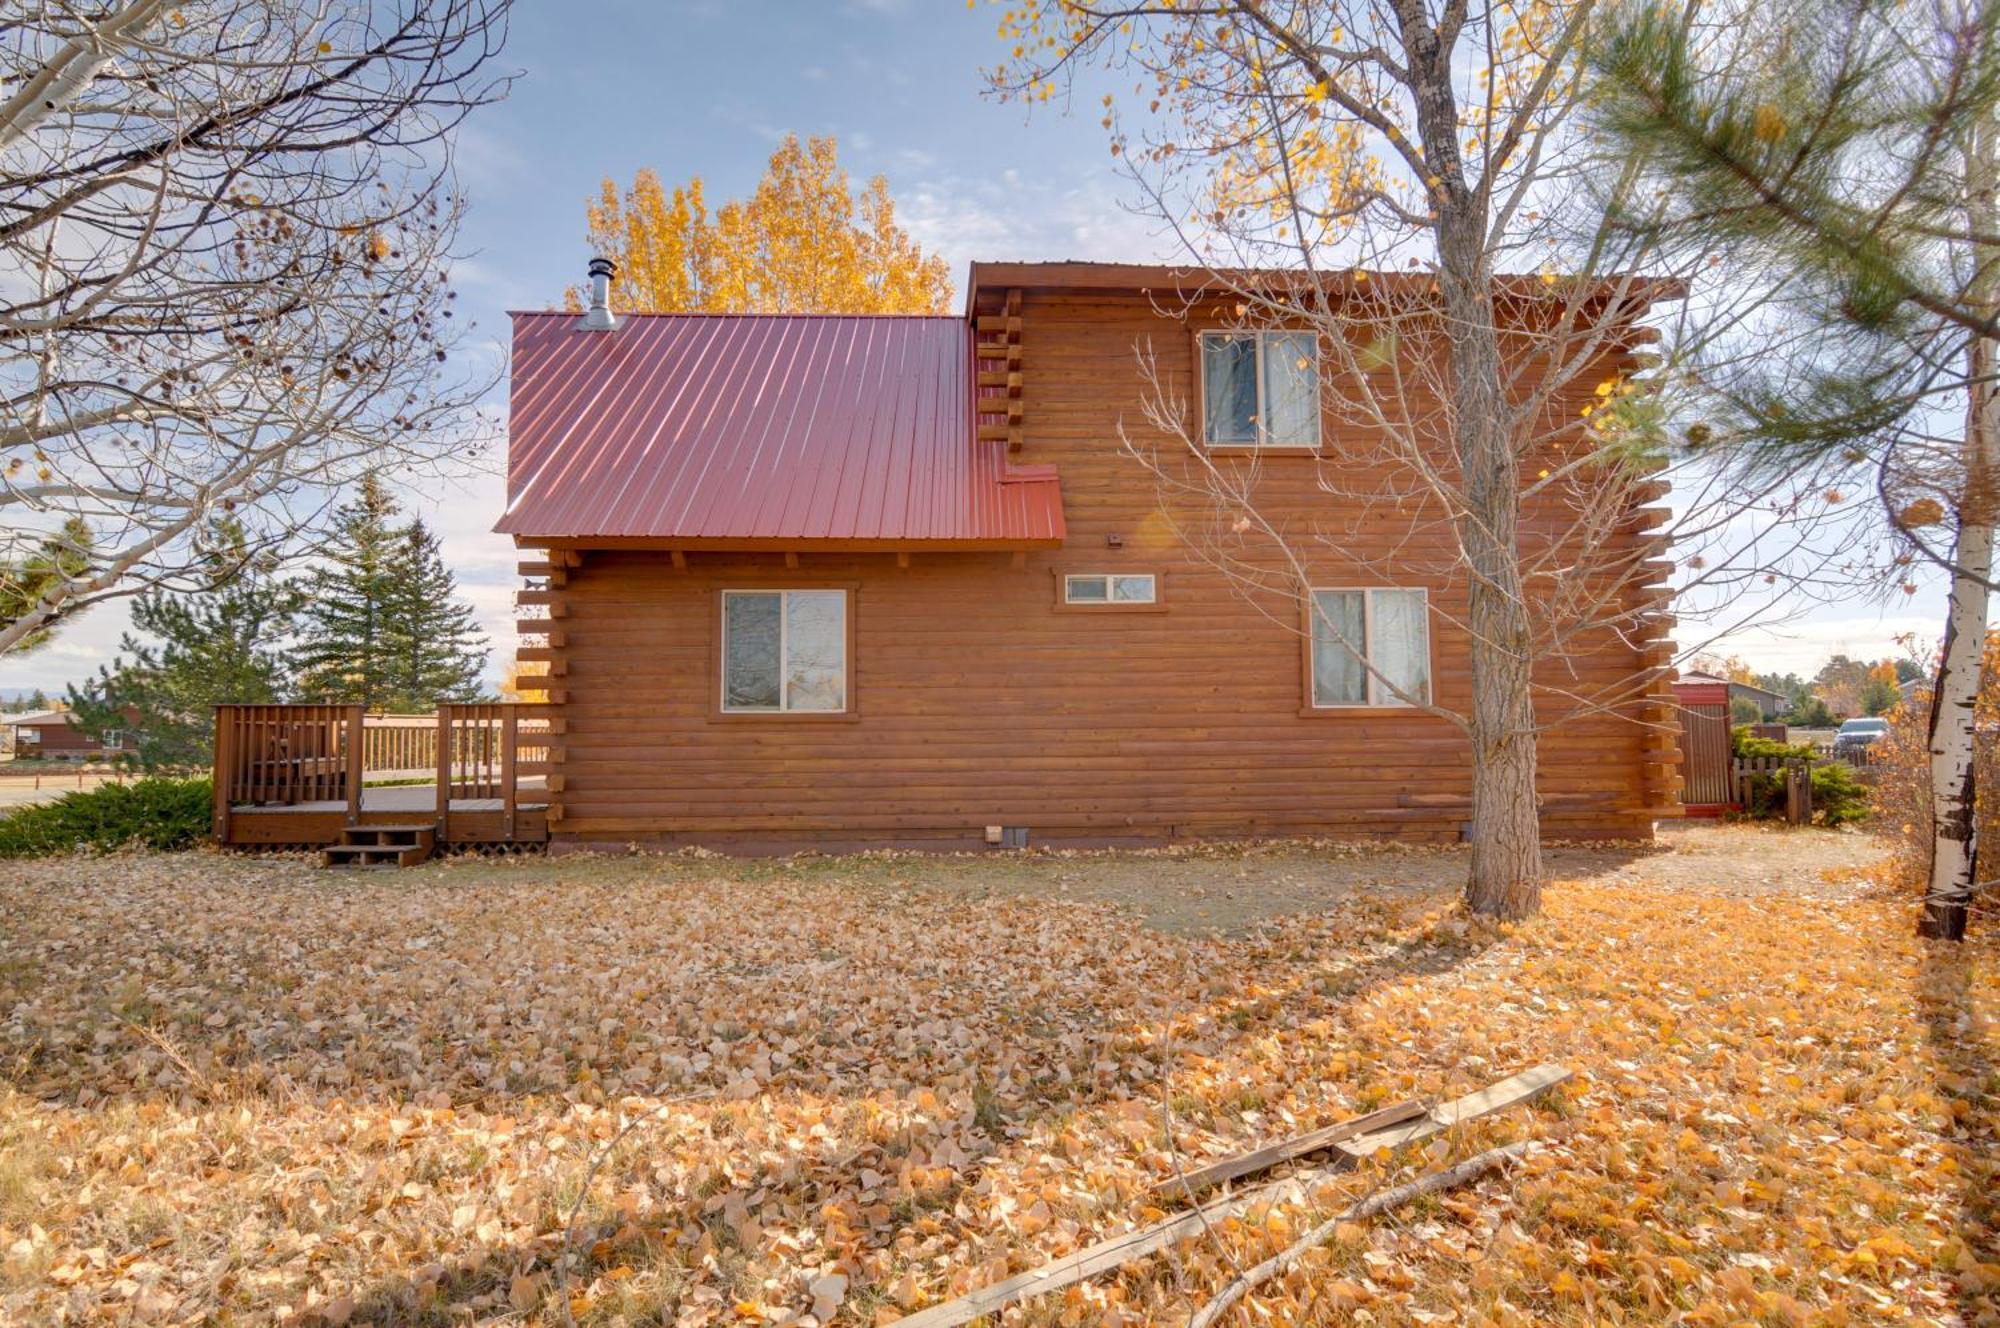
[[1838, 797], [150, 813]]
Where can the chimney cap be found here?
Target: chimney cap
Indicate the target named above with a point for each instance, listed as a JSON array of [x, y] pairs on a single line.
[[597, 317]]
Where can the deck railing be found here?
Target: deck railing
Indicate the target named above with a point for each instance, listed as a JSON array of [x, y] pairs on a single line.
[[286, 755], [484, 750]]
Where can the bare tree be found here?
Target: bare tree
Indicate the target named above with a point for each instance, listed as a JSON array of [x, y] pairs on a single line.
[[1415, 171], [225, 231]]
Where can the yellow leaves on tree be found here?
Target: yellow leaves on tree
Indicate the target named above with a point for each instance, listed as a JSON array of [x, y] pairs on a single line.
[[803, 242]]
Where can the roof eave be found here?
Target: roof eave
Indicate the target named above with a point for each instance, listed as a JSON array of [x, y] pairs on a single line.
[[786, 544], [1189, 281]]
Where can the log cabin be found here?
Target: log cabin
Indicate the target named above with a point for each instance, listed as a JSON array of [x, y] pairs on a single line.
[[829, 582]]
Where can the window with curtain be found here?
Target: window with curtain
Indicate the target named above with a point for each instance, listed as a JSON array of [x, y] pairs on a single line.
[[784, 651], [1389, 629], [1260, 389]]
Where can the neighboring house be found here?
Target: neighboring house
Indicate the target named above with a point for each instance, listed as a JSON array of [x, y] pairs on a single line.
[[1770, 704], [803, 591], [51, 735]]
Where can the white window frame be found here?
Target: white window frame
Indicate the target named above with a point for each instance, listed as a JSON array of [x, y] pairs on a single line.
[[784, 706], [28, 735], [1261, 337], [1110, 580], [114, 739], [1379, 696]]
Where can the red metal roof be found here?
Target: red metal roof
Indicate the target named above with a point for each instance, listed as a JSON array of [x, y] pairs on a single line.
[[712, 430]]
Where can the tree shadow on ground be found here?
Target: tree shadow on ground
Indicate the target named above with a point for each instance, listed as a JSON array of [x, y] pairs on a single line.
[[479, 1279], [1967, 1051]]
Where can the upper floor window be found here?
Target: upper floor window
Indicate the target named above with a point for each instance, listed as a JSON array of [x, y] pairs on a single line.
[[1389, 629], [784, 651], [1260, 389]]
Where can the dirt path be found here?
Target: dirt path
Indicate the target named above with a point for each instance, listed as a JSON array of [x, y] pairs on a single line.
[[1231, 887]]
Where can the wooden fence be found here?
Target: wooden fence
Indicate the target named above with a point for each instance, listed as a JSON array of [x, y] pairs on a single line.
[[1794, 773]]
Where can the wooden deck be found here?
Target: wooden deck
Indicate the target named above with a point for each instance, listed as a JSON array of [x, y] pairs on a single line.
[[300, 775]]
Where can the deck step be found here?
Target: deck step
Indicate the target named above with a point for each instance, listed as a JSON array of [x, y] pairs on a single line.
[[380, 846]]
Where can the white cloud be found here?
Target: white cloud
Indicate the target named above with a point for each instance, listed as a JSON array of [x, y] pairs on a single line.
[[75, 653], [1028, 217], [1803, 646]]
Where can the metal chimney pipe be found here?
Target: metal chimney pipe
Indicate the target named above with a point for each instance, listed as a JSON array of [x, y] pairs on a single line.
[[599, 318]]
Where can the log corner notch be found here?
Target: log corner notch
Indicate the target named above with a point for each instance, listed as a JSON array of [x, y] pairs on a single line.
[[1649, 594], [996, 359], [541, 671]]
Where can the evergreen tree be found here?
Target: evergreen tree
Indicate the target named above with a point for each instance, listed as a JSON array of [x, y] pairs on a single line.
[[435, 649], [384, 625], [344, 648], [1847, 153], [61, 557], [213, 646]]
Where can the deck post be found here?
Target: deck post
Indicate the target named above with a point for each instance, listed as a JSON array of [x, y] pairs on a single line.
[[444, 775], [357, 760], [510, 742], [225, 769]]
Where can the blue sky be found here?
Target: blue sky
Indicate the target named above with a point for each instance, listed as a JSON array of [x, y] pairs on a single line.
[[708, 87]]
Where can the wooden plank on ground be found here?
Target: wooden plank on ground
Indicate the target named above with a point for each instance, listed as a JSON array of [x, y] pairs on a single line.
[[1133, 1245], [1099, 1258], [1285, 1150], [1511, 1091]]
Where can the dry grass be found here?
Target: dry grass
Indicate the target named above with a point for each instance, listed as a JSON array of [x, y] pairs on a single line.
[[244, 1091]]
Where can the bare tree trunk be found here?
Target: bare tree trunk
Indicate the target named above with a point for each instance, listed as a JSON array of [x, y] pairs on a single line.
[[1961, 663], [1506, 872], [1954, 821]]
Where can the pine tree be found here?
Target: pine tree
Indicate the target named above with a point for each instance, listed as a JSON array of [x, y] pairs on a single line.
[[63, 556], [435, 649], [344, 648], [216, 645], [1847, 153]]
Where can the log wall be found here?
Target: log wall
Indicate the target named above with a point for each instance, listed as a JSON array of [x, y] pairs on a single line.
[[978, 700]]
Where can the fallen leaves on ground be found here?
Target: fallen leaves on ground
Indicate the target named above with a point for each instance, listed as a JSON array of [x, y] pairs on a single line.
[[243, 1089]]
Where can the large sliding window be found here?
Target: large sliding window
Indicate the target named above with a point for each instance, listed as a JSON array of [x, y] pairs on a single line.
[[1390, 629], [784, 651], [1260, 389]]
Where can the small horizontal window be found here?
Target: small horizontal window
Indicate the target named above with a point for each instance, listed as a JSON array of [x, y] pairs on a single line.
[[1110, 588]]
